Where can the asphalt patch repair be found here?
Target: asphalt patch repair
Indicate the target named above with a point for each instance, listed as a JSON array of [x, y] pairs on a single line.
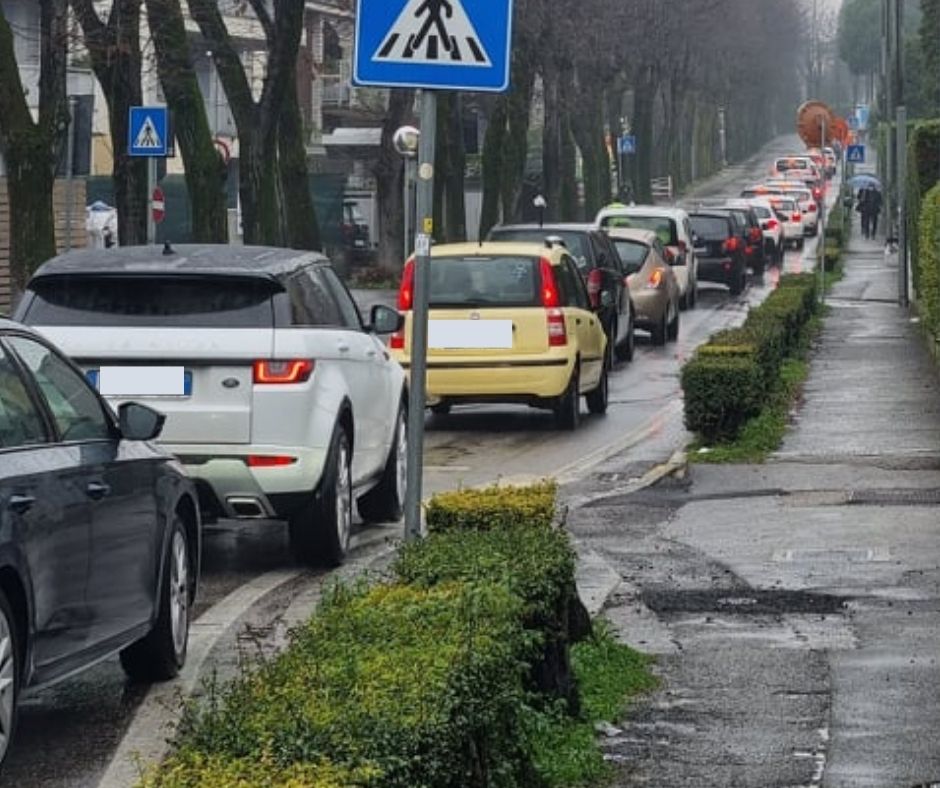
[[744, 601]]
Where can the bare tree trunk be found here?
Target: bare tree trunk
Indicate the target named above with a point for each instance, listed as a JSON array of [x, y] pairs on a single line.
[[516, 151], [552, 141], [300, 217], [587, 125], [205, 170], [114, 48], [494, 143], [644, 102], [390, 184], [31, 148], [455, 202]]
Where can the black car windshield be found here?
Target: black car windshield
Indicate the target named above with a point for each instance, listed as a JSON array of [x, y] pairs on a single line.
[[484, 281], [663, 226], [710, 228], [151, 301], [632, 254], [575, 242]]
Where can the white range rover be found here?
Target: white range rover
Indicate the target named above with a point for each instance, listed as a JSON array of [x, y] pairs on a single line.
[[280, 402]]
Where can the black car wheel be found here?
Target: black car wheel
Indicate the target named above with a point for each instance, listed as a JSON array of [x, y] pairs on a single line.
[[597, 399], [658, 331], [625, 350], [568, 406], [738, 284], [9, 676], [320, 531], [160, 655], [441, 409], [385, 502], [672, 333]]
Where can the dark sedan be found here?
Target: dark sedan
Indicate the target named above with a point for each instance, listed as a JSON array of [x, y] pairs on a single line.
[[719, 246], [601, 269], [99, 530]]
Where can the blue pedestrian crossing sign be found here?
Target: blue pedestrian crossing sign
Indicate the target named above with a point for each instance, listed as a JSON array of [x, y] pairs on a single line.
[[437, 44], [627, 144], [855, 154], [148, 132]]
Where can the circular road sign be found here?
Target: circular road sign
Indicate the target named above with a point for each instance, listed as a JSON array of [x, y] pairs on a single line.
[[158, 205]]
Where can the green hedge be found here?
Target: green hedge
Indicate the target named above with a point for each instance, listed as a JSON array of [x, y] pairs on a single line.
[[728, 379], [410, 686], [430, 679], [923, 174], [513, 543], [928, 260], [493, 507]]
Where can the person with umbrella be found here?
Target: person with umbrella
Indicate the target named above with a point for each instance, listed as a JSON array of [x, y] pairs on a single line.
[[871, 211]]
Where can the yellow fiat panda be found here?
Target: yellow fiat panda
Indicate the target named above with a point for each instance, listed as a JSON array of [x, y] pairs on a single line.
[[509, 323]]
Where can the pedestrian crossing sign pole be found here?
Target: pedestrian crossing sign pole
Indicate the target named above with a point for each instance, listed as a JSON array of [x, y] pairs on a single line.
[[459, 45], [148, 136]]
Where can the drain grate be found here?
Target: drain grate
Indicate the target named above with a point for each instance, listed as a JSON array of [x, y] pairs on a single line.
[[743, 601], [895, 497]]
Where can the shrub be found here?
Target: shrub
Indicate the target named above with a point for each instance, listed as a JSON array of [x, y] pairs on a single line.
[[832, 256], [721, 393], [728, 380], [537, 564], [195, 770], [928, 262], [923, 173], [493, 507], [410, 686]]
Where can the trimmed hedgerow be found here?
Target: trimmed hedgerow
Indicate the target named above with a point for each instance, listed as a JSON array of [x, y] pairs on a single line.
[[493, 507], [928, 262], [727, 381], [535, 561], [409, 686]]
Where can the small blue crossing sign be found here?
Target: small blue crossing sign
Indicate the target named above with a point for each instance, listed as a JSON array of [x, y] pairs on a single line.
[[627, 144], [438, 44], [148, 132], [855, 154]]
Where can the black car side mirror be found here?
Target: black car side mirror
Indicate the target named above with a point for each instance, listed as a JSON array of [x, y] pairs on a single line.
[[140, 423], [385, 320]]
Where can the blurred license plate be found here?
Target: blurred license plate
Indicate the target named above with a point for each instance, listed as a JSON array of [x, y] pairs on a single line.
[[470, 334], [142, 381]]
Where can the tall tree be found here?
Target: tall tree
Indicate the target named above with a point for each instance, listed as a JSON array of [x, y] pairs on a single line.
[[114, 48], [205, 170], [257, 121], [930, 46], [31, 149], [390, 183]]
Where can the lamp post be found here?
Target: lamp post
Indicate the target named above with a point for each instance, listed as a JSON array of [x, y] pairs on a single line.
[[406, 141]]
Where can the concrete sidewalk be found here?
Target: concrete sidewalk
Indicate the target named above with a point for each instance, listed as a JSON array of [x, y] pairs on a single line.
[[794, 606], [873, 392]]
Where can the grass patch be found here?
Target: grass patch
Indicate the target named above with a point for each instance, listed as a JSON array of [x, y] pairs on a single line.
[[566, 751], [763, 435]]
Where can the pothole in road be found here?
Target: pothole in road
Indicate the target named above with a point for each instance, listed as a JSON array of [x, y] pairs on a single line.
[[745, 602]]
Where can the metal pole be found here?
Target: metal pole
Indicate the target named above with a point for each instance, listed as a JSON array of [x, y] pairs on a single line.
[[69, 167], [151, 184], [419, 326], [902, 207], [891, 178], [821, 242], [723, 136]]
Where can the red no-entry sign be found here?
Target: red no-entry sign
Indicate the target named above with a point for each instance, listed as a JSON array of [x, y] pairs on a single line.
[[158, 205]]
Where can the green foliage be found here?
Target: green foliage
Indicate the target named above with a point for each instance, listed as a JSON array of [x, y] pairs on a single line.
[[609, 674], [493, 507], [727, 381], [191, 769], [923, 173], [859, 36], [929, 25], [928, 260], [417, 687]]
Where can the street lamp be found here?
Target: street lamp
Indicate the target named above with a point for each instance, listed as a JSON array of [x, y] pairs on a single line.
[[406, 140], [540, 204]]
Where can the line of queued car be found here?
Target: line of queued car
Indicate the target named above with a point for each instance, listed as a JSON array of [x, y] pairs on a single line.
[[272, 397]]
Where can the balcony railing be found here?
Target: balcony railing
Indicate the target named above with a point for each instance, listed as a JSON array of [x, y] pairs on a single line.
[[337, 92]]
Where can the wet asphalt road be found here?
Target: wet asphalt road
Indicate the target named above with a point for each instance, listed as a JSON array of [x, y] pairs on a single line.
[[68, 734]]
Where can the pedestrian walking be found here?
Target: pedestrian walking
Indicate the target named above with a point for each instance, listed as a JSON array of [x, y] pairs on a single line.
[[873, 204], [861, 206]]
